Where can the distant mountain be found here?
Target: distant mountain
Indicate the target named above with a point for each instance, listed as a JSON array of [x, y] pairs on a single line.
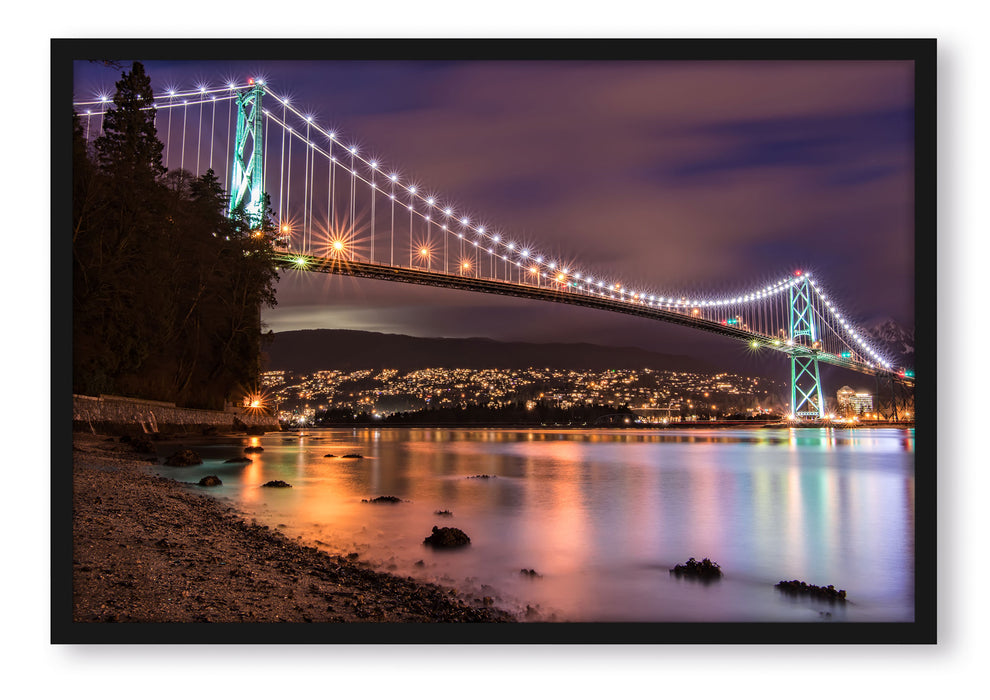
[[312, 350], [897, 340]]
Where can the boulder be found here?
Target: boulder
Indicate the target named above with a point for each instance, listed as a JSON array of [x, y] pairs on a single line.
[[252, 448], [238, 460], [796, 587], [329, 456], [277, 484], [352, 456], [447, 537], [445, 513], [183, 458], [482, 476], [383, 499], [211, 480], [142, 443], [704, 569]]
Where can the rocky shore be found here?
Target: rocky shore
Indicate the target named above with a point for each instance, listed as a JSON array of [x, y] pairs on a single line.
[[151, 549]]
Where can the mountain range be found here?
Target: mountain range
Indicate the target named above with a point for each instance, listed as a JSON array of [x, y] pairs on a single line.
[[896, 339], [308, 351]]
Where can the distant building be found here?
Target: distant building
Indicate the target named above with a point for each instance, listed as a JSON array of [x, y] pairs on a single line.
[[854, 403]]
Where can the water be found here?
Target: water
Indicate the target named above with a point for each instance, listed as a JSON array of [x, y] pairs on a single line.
[[603, 516]]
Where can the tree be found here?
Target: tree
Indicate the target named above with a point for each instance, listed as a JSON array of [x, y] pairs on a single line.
[[129, 146], [167, 289]]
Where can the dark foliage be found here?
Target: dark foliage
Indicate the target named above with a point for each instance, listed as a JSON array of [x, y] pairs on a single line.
[[167, 289]]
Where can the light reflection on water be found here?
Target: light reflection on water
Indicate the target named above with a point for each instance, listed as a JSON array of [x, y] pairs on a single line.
[[603, 515]]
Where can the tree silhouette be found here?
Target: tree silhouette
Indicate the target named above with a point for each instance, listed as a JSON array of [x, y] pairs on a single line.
[[167, 289]]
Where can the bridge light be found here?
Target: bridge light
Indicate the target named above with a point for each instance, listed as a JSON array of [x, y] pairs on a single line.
[[374, 165], [754, 344], [481, 229], [447, 212], [338, 245], [353, 150], [496, 238], [430, 201], [301, 262], [393, 177], [332, 135], [412, 189], [424, 252], [464, 221]]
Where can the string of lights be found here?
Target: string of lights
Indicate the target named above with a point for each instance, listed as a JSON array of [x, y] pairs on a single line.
[[761, 311]]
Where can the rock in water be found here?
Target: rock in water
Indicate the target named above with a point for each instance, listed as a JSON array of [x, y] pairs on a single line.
[[211, 480], [383, 499], [249, 449], [183, 458], [238, 460], [277, 484], [447, 537], [705, 569], [796, 587]]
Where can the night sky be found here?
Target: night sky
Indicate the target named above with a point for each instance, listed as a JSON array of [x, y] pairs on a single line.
[[696, 176]]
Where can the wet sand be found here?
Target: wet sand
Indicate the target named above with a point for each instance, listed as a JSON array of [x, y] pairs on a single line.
[[151, 549]]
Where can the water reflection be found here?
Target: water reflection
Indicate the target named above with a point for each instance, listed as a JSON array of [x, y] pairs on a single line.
[[603, 515]]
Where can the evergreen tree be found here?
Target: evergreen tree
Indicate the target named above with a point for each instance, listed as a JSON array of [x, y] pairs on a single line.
[[129, 146], [167, 289]]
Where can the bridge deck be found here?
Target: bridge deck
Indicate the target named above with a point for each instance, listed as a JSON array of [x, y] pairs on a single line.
[[422, 276]]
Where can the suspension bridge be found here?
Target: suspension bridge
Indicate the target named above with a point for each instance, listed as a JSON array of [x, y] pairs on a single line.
[[341, 211]]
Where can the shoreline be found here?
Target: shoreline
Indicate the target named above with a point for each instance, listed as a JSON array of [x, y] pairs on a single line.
[[150, 549]]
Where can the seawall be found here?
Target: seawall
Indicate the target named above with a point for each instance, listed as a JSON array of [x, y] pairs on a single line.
[[114, 414]]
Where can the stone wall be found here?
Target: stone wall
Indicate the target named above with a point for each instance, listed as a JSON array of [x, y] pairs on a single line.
[[115, 414]]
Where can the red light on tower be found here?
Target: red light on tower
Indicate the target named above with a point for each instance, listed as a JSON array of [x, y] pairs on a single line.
[[797, 273], [250, 81]]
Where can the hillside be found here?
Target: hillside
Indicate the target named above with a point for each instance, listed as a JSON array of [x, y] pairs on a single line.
[[311, 350]]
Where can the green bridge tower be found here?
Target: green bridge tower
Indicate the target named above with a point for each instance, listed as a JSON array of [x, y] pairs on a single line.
[[247, 178], [806, 386]]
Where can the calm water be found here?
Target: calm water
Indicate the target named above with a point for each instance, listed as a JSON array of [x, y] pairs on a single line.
[[602, 516]]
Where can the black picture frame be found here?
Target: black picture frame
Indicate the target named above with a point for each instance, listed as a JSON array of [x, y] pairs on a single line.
[[922, 52]]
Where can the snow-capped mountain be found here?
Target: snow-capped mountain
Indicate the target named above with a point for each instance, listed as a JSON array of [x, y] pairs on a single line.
[[895, 340]]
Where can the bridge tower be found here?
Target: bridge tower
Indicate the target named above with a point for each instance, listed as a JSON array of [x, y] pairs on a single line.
[[806, 387], [247, 174]]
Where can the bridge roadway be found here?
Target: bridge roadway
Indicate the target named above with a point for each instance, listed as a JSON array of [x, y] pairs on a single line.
[[423, 276]]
